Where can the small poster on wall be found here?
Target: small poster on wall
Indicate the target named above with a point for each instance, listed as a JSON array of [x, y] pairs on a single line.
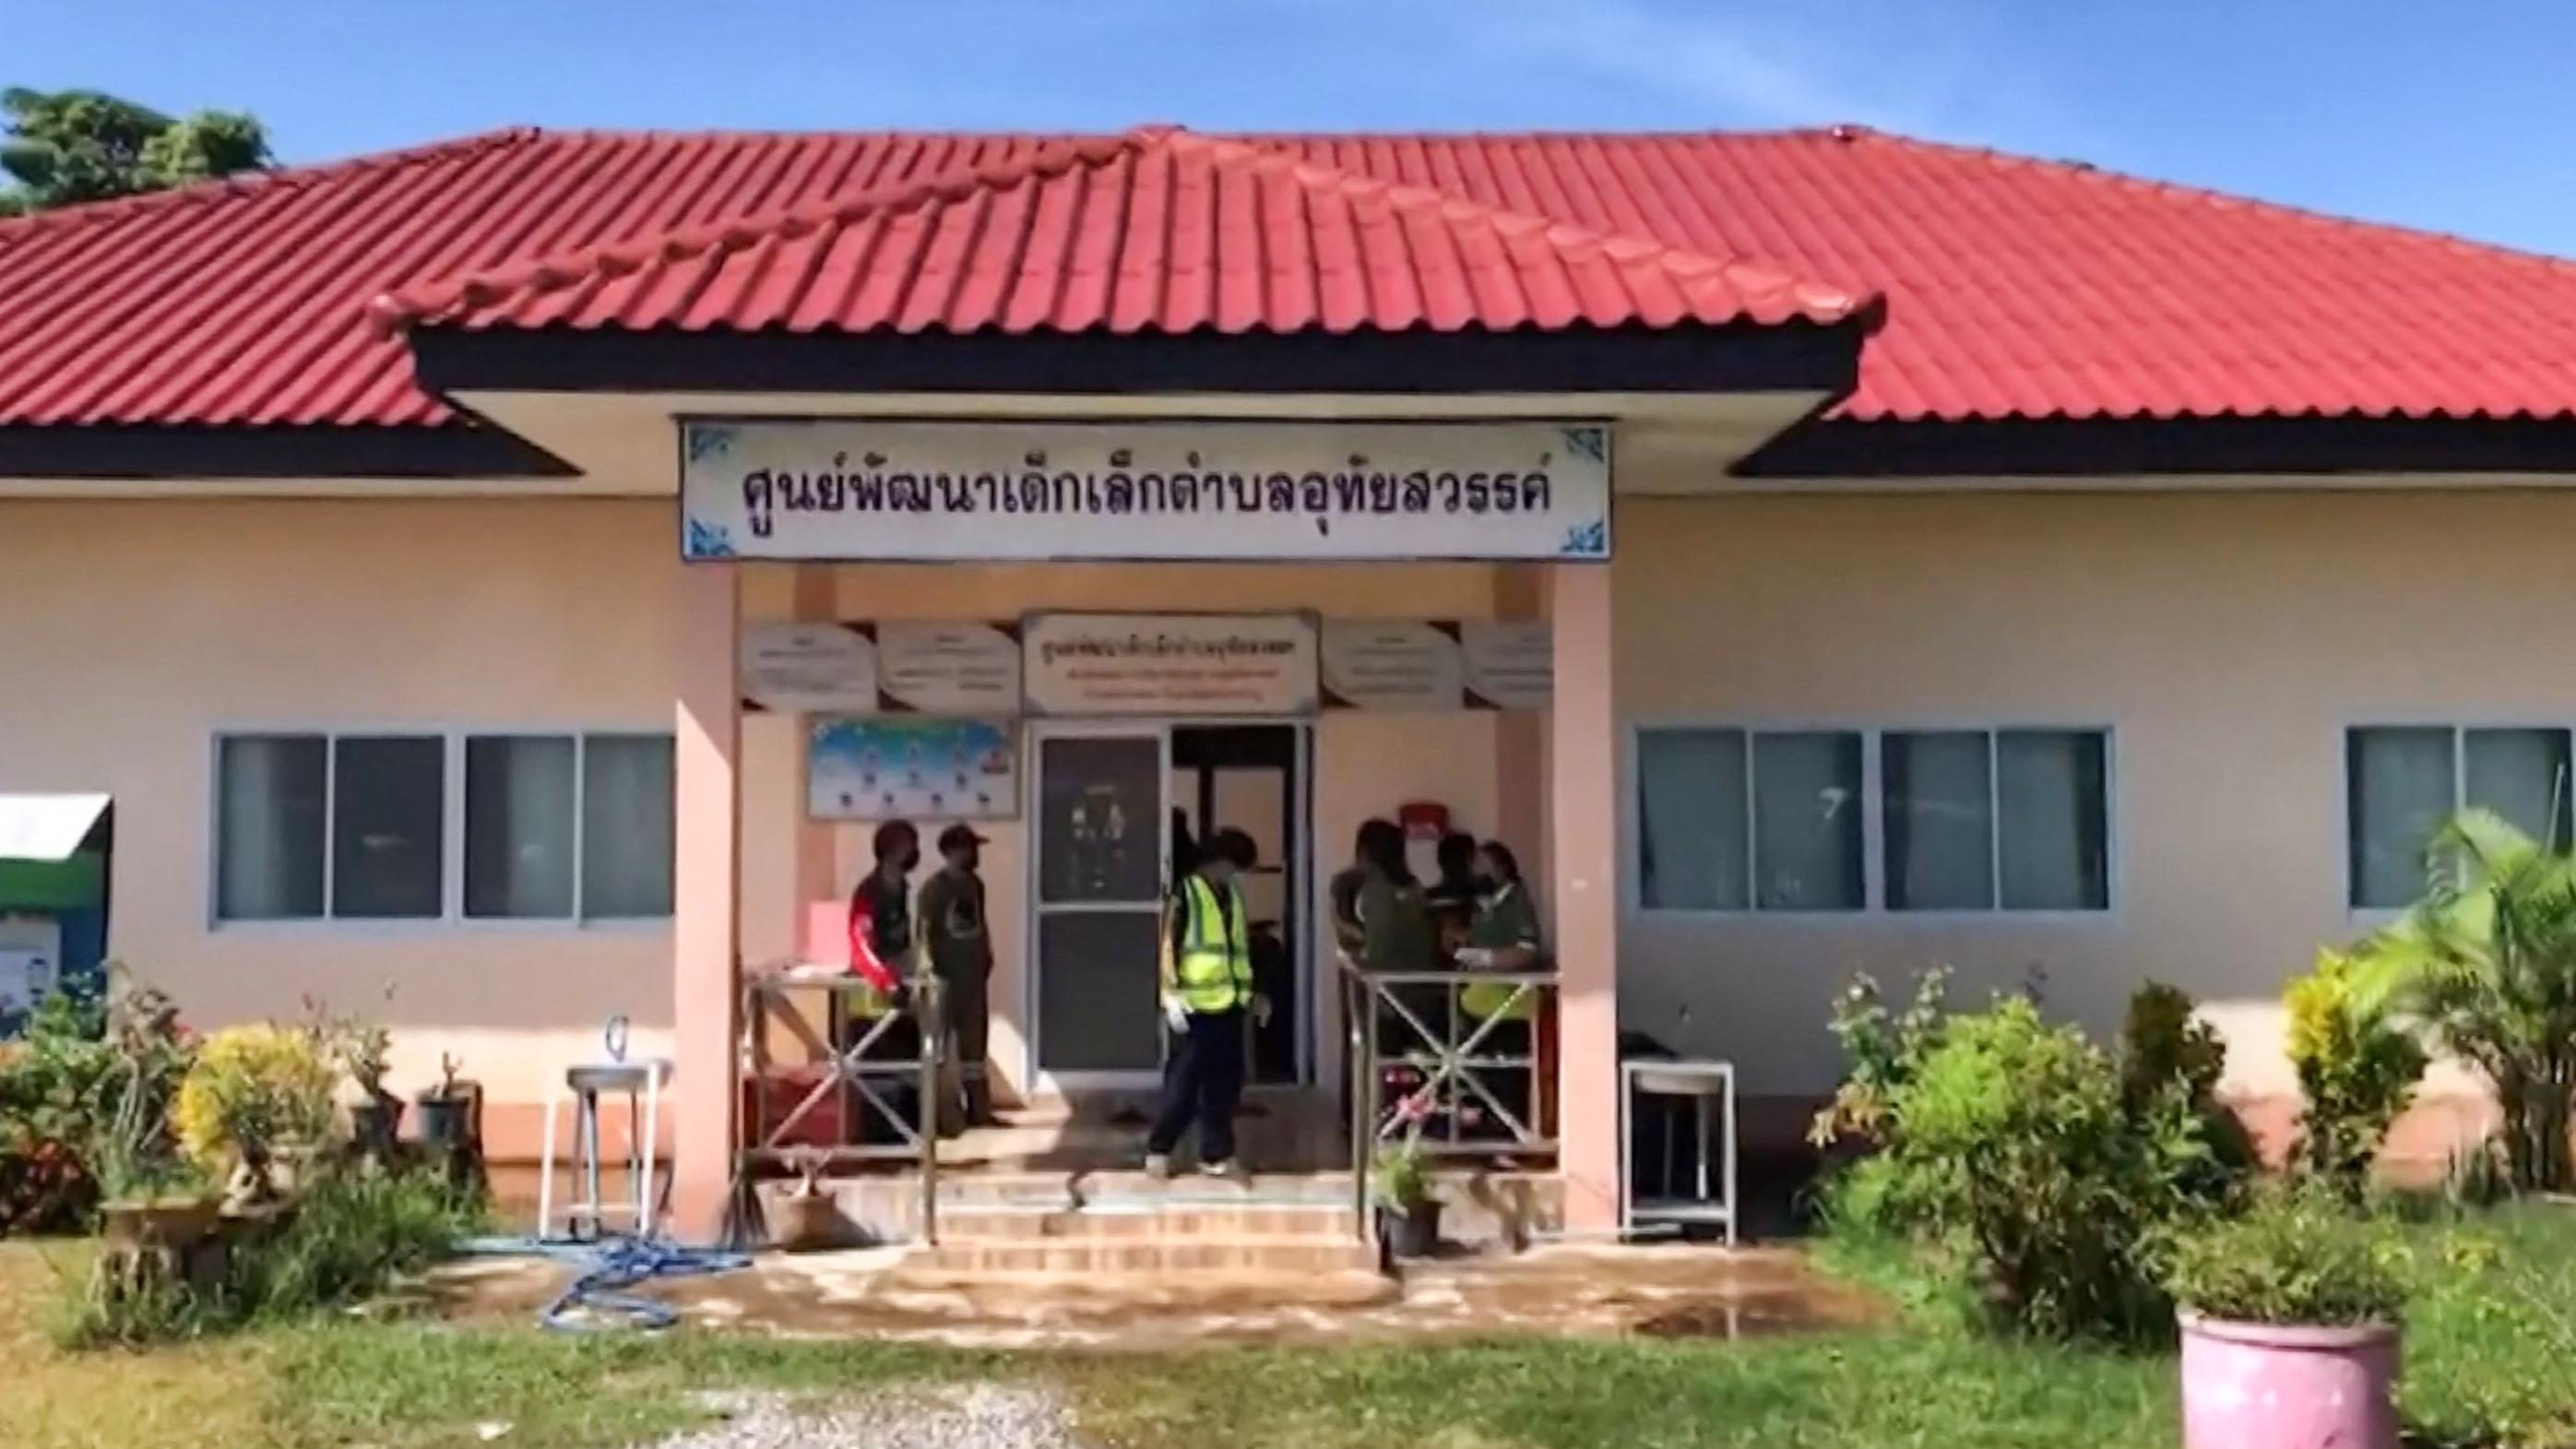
[[1170, 664], [916, 769], [808, 668], [1511, 664]]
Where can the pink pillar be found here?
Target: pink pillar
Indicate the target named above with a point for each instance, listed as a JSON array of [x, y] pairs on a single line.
[[816, 601], [705, 917], [1585, 817], [1520, 756]]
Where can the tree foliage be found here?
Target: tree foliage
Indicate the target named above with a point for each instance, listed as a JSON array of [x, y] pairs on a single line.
[[2487, 963], [60, 148]]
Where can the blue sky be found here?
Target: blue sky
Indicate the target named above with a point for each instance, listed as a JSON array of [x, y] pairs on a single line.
[[2454, 117]]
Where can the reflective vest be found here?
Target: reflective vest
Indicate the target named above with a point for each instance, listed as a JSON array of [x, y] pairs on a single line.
[[1214, 970]]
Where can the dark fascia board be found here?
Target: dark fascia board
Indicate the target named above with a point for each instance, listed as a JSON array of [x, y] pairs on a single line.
[[455, 450], [1796, 357], [2164, 447]]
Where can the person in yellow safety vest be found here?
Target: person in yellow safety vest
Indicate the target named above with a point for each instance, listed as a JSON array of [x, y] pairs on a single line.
[[1206, 979]]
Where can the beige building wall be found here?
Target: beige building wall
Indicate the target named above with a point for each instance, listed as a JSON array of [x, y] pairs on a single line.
[[135, 631], [2227, 638]]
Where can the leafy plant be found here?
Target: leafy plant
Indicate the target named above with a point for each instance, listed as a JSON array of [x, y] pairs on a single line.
[[2356, 1069], [352, 1234], [2171, 1063], [2034, 1164], [54, 1084], [361, 1047], [2487, 963], [129, 1143], [1400, 1176], [252, 1090], [449, 1084], [1882, 1051], [2297, 1258]]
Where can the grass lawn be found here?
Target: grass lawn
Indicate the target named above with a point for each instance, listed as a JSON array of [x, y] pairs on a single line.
[[2491, 1351]]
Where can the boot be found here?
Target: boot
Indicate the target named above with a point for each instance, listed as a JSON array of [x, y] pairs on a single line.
[[979, 1103]]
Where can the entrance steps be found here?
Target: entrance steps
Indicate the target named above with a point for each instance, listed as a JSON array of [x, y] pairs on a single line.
[[1036, 1225]]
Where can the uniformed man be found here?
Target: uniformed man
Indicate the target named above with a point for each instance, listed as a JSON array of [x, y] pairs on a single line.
[[1207, 991], [952, 924]]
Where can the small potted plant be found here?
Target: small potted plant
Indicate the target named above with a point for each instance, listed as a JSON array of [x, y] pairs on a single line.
[[1408, 1215], [256, 1095], [2289, 1328], [447, 1110], [150, 1196], [363, 1049]]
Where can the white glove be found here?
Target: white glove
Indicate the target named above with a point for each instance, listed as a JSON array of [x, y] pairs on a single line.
[[1175, 1013], [1475, 958]]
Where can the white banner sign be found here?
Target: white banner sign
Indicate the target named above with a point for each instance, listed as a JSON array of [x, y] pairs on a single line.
[[1422, 664], [1511, 664], [1170, 664], [1399, 664], [955, 669], [858, 489], [809, 668]]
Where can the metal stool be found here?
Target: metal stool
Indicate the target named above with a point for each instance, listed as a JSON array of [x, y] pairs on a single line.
[[1700, 1082], [586, 1082]]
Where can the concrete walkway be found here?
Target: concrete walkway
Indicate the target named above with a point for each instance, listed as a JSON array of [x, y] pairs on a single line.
[[1669, 1291]]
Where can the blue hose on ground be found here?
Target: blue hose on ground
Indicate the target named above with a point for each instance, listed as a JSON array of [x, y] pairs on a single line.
[[603, 1269]]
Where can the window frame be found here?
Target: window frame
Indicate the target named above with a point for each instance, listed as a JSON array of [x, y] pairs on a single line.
[[2460, 727], [1873, 909], [452, 824]]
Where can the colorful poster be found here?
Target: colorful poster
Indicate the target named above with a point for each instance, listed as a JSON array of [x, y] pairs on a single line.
[[809, 668], [1179, 665], [1392, 664], [858, 488], [913, 769], [970, 668]]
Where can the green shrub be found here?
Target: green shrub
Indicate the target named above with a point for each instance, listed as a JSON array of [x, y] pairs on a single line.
[[1882, 1052], [84, 1103], [2171, 1063], [252, 1090], [347, 1239], [2033, 1165], [352, 1234], [2356, 1070], [2296, 1258]]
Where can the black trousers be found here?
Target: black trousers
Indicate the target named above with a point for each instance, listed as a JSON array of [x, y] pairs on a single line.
[[1202, 1082]]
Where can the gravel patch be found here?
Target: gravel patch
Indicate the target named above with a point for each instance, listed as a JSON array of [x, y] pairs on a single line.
[[978, 1416]]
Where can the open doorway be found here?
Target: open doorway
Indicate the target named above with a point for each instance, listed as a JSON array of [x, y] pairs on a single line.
[[1252, 777]]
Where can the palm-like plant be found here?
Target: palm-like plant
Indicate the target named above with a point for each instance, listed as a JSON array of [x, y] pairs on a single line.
[[2487, 963]]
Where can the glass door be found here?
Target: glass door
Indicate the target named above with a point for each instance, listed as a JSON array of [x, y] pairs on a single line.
[[1101, 860]]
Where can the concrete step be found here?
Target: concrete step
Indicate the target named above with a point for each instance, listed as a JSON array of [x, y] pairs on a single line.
[[1194, 1189], [1148, 1222], [1116, 1297], [1233, 1253]]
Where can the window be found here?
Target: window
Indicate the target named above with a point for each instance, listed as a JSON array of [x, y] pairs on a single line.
[[1982, 820], [1965, 820], [1733, 819], [538, 827], [2402, 781]]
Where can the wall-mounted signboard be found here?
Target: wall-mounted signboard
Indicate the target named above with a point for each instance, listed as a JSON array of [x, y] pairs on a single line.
[[1170, 664], [854, 488], [911, 769], [1436, 664], [967, 668]]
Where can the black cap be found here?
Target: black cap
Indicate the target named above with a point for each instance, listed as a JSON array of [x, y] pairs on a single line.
[[956, 836]]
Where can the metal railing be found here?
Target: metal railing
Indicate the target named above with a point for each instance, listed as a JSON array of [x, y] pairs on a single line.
[[856, 1069], [1425, 1068]]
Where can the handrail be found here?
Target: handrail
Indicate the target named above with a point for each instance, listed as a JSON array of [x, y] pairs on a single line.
[[1454, 1061], [762, 1143]]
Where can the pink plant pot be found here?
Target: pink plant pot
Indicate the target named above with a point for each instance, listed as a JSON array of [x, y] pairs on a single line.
[[2272, 1386]]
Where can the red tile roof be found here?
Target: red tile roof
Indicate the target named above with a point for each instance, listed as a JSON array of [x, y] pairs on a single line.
[[1156, 231], [2014, 288]]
